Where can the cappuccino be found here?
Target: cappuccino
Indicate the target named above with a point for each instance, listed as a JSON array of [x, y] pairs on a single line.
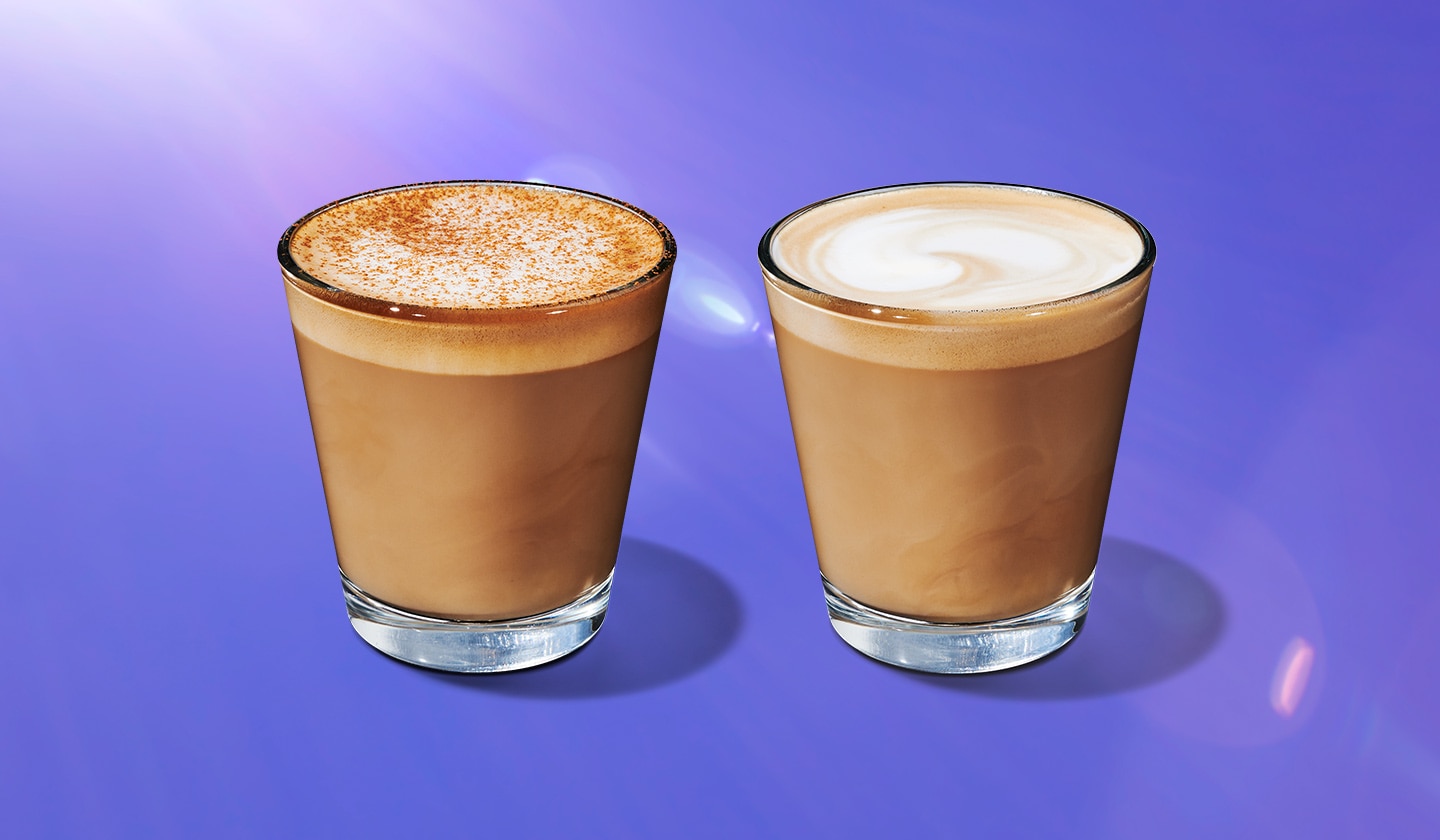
[[476, 358], [956, 360]]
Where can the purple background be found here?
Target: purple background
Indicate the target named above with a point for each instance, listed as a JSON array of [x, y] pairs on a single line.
[[1262, 653]]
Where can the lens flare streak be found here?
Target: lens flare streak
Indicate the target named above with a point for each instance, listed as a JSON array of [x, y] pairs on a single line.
[[1292, 677]]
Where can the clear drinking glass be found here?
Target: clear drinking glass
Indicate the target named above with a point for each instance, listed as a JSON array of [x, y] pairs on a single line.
[[956, 461], [476, 358]]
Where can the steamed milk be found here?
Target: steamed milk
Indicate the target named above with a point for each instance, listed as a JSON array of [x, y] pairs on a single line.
[[956, 361], [476, 359], [948, 248]]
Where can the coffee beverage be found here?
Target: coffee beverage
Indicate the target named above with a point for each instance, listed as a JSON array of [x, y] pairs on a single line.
[[956, 360], [476, 358]]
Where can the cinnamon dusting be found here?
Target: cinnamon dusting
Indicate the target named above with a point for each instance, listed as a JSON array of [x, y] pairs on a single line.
[[477, 246]]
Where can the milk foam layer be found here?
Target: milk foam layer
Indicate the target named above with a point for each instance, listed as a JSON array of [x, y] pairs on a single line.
[[477, 246], [957, 247]]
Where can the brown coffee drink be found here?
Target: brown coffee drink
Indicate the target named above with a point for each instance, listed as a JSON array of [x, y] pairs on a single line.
[[476, 358], [956, 360]]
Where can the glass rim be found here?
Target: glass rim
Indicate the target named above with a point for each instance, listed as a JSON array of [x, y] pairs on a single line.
[[900, 314], [465, 314]]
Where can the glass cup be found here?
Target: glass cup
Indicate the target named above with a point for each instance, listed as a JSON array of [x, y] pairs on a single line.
[[956, 461], [476, 453]]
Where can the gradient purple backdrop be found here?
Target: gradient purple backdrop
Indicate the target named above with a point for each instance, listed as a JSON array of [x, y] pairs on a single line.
[[1262, 654]]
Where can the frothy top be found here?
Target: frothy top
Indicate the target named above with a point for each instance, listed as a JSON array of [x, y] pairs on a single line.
[[948, 247], [477, 246]]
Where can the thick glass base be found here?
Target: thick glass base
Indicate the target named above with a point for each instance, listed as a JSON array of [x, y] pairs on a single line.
[[476, 647], [957, 648]]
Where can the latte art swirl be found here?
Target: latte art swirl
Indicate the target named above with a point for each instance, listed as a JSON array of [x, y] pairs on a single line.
[[958, 248]]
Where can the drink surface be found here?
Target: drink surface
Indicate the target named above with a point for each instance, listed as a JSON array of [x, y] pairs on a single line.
[[477, 246], [477, 277], [945, 247]]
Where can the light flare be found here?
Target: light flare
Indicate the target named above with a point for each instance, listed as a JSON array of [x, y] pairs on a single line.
[[1292, 677]]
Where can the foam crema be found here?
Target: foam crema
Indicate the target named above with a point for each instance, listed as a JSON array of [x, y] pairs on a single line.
[[477, 277], [957, 275], [477, 246]]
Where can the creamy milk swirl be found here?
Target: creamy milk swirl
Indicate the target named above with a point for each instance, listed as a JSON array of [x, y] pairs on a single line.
[[948, 247]]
